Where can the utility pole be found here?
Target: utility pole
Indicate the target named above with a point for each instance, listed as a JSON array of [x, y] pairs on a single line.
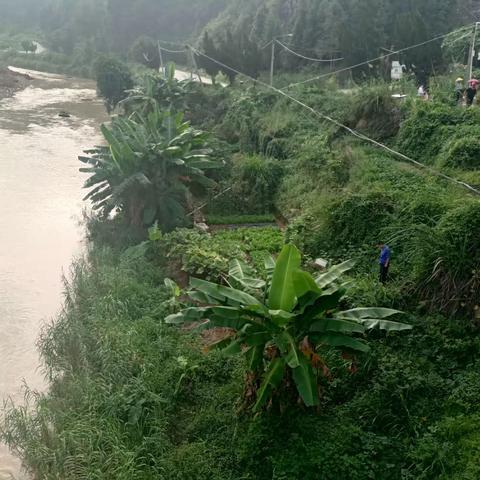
[[472, 52], [272, 59], [160, 54], [195, 66]]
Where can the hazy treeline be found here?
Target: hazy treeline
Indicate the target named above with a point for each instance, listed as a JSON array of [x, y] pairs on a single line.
[[353, 29]]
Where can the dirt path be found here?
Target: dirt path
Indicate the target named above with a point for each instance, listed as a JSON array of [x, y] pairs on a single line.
[[11, 82]]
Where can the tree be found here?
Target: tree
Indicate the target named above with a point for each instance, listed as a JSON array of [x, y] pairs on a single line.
[[208, 47], [145, 51], [29, 46], [280, 324], [227, 55], [150, 170], [113, 80]]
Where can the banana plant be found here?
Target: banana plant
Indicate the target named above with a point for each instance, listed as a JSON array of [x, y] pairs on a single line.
[[279, 324], [152, 167], [161, 90]]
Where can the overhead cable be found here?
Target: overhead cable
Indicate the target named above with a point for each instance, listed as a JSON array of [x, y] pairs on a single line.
[[308, 58], [342, 126], [172, 51], [367, 62]]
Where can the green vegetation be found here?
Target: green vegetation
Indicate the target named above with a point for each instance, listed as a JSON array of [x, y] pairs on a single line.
[[240, 219], [323, 383], [281, 337], [113, 80]]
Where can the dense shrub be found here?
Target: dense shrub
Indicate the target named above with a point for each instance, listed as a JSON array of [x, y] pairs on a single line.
[[463, 152], [448, 266], [250, 185], [255, 182], [429, 126], [375, 112], [339, 226]]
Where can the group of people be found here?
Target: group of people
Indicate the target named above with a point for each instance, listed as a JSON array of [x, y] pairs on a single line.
[[467, 94], [463, 94]]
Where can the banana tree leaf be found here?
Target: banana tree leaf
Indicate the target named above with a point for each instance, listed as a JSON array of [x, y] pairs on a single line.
[[339, 340], [373, 312], [282, 293], [201, 297], [306, 383], [322, 304], [193, 314], [269, 263], [257, 339], [259, 311], [221, 293], [173, 288], [326, 279], [387, 325], [337, 325], [254, 357], [233, 348], [280, 317], [271, 380], [221, 344], [240, 272], [232, 313], [304, 283], [121, 152], [293, 354]]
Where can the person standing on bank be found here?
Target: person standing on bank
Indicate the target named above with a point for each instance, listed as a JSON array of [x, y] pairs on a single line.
[[472, 90], [384, 261]]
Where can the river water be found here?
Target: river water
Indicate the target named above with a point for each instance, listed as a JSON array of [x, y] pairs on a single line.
[[40, 209]]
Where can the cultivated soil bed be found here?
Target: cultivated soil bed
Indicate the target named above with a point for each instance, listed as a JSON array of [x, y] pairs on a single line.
[[11, 82]]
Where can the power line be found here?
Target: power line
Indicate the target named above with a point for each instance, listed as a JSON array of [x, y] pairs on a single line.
[[381, 57], [344, 127], [172, 51], [223, 192], [308, 58]]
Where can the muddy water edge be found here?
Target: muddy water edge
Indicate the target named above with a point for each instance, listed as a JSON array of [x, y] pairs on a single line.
[[40, 210]]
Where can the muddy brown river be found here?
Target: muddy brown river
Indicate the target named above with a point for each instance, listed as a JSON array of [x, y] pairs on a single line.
[[40, 210]]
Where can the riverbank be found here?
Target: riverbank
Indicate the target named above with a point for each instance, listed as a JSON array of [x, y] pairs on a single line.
[[40, 192], [12, 82]]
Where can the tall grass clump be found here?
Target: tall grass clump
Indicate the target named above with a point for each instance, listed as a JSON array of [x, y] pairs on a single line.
[[375, 112], [448, 268]]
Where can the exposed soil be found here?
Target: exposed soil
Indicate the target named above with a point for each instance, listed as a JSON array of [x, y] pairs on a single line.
[[11, 82]]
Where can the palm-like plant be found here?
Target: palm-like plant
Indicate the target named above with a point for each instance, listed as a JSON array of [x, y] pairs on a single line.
[[279, 324], [158, 89], [152, 167]]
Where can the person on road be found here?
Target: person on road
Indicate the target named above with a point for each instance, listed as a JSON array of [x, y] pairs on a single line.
[[384, 261]]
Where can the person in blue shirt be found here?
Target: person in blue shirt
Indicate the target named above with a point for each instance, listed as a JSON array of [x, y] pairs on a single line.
[[384, 261]]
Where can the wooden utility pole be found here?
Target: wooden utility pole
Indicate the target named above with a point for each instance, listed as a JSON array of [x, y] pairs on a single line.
[[471, 53], [195, 66], [160, 54], [272, 61]]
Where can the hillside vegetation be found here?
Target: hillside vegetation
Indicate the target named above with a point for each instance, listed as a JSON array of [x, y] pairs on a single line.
[[137, 391], [226, 353]]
